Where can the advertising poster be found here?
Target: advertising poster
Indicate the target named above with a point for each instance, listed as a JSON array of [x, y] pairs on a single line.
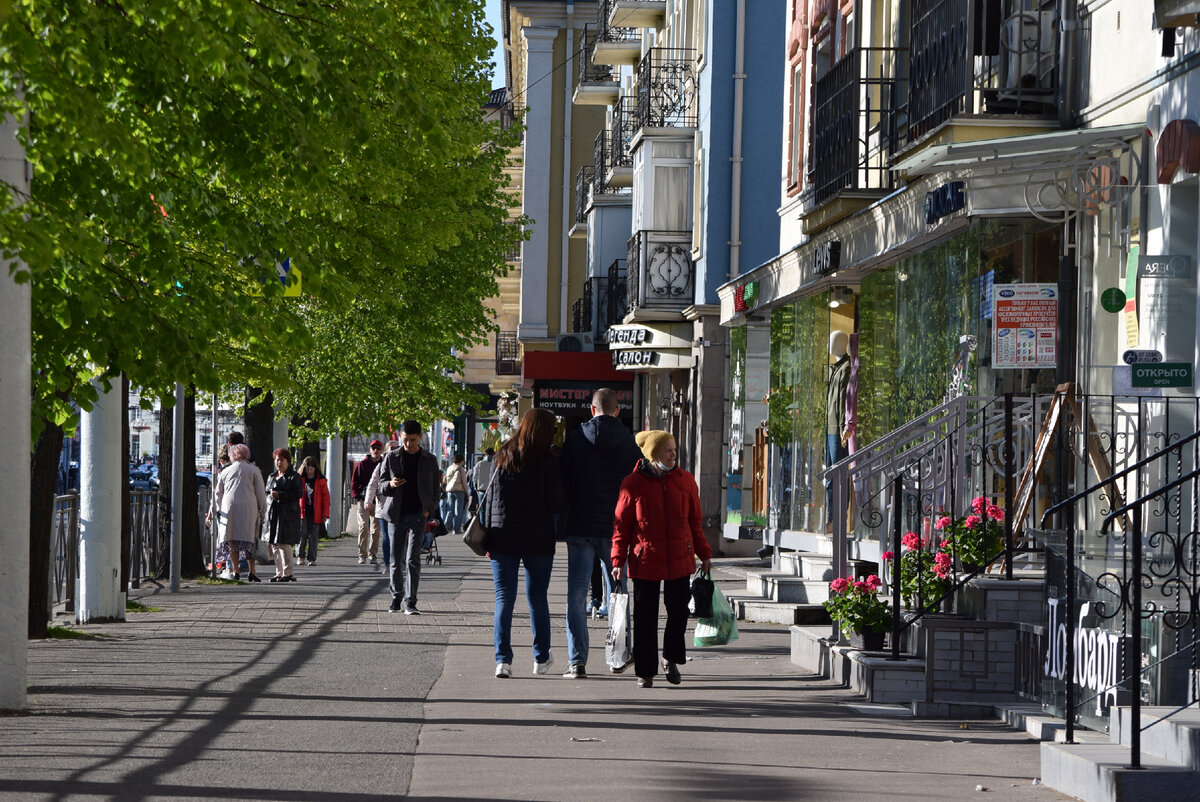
[[1025, 321]]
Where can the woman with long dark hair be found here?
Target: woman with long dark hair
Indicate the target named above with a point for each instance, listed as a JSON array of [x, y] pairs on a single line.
[[519, 512], [314, 509]]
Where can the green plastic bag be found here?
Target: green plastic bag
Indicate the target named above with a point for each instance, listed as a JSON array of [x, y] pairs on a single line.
[[721, 627]]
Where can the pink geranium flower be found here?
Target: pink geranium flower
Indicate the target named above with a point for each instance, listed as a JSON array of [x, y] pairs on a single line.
[[861, 587], [972, 521], [979, 504], [840, 585], [995, 513], [887, 555], [943, 522], [912, 540], [873, 581]]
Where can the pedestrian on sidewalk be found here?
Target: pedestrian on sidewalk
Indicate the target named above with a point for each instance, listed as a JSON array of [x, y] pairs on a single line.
[[520, 513], [657, 537], [408, 491], [455, 485], [284, 489], [241, 503], [480, 475], [368, 526], [376, 509], [595, 459], [314, 510]]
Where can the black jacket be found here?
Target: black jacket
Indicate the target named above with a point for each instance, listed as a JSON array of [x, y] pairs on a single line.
[[283, 513], [595, 459], [520, 509], [389, 498]]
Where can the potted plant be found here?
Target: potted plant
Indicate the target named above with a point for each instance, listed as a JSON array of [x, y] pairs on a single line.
[[860, 613], [923, 573], [973, 539]]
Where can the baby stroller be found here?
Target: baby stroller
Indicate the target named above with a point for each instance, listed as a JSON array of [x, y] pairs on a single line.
[[433, 530]]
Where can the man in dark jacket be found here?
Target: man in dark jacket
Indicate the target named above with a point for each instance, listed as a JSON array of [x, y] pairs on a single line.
[[595, 459], [408, 495]]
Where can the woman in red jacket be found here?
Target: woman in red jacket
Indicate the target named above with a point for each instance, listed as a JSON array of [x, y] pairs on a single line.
[[314, 510], [657, 534]]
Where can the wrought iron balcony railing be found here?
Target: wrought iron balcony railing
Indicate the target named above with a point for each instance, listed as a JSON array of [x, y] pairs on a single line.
[[600, 164], [854, 124], [614, 301], [624, 127], [577, 324], [659, 271], [606, 31], [508, 354], [590, 72], [587, 314], [666, 89], [583, 182], [970, 58]]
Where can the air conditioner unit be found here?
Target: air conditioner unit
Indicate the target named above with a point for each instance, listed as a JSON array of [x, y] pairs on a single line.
[[576, 342], [1027, 52]]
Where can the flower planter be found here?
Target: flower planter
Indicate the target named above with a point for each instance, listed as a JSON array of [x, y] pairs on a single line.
[[868, 640]]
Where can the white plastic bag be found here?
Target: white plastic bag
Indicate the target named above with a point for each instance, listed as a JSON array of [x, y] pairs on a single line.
[[617, 650]]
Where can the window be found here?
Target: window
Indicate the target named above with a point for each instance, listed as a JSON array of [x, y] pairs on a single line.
[[796, 129], [698, 185]]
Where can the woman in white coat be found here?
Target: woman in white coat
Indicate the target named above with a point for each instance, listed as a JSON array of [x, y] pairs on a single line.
[[241, 501]]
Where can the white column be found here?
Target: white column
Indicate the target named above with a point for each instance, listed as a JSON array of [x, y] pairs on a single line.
[[14, 440], [100, 596], [279, 436], [177, 469], [333, 474], [536, 190]]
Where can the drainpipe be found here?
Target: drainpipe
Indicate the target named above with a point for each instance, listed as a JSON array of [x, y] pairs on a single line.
[[567, 195], [735, 158], [1067, 26]]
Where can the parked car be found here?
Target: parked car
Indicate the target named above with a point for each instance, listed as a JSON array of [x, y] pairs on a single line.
[[143, 477]]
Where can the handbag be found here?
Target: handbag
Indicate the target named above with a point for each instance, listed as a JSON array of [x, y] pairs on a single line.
[[475, 535], [702, 595], [718, 629]]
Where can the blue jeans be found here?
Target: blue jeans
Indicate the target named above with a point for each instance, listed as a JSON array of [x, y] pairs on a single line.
[[456, 509], [582, 553], [834, 452], [385, 538], [537, 581], [410, 533]]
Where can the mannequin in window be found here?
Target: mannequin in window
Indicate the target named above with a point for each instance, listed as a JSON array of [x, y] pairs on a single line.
[[837, 430]]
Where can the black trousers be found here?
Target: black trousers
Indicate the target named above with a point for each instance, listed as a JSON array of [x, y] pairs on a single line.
[[676, 593]]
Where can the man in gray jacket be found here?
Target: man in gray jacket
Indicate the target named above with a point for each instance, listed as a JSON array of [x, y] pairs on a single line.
[[408, 493]]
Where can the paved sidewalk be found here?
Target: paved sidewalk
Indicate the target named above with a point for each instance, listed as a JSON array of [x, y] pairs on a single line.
[[313, 691]]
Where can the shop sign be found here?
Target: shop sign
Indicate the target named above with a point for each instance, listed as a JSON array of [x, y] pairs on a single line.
[[1166, 374], [631, 336], [1112, 299], [745, 296], [643, 359], [945, 200], [1025, 318], [827, 258], [1098, 655], [1167, 306], [575, 397]]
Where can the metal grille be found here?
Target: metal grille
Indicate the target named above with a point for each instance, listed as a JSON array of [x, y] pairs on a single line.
[[588, 71], [666, 90], [508, 353]]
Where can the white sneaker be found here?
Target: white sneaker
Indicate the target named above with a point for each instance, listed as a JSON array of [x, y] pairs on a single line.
[[362, 560], [312, 562], [544, 668], [227, 575], [503, 670]]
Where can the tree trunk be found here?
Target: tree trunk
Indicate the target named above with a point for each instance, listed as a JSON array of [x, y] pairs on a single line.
[[166, 444], [260, 429], [310, 448], [43, 470], [192, 558]]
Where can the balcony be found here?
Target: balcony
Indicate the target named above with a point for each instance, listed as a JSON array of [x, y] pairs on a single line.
[[854, 126], [584, 181], [637, 13], [979, 58], [597, 85], [660, 278], [666, 89], [508, 354], [613, 300], [613, 159], [615, 44], [579, 322]]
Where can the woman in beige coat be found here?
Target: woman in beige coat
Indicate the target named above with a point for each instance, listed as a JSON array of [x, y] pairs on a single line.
[[241, 501]]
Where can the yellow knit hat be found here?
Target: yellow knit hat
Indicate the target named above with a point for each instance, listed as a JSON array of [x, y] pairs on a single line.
[[650, 441]]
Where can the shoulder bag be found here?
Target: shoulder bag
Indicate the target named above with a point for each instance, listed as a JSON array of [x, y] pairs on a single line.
[[475, 535]]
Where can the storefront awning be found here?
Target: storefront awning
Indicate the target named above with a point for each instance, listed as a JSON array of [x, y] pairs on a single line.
[[1018, 154], [590, 366]]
